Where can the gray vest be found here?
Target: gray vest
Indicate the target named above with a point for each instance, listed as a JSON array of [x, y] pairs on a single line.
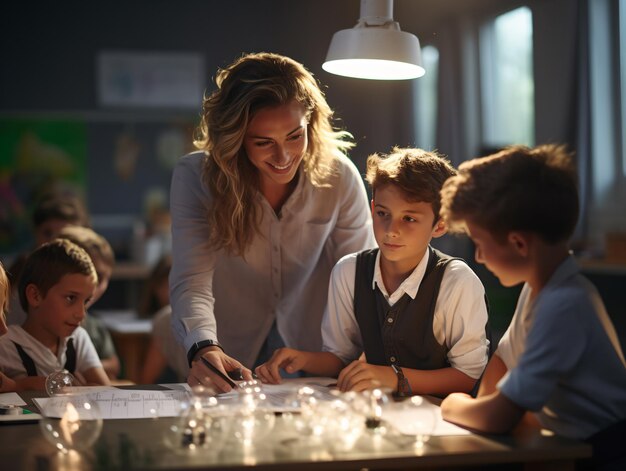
[[403, 333]]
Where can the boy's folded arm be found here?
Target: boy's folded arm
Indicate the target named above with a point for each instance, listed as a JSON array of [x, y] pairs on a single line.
[[323, 364], [494, 413], [439, 382], [494, 372], [30, 383], [7, 384]]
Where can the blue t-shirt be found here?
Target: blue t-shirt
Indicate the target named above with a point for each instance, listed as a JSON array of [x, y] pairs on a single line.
[[563, 357]]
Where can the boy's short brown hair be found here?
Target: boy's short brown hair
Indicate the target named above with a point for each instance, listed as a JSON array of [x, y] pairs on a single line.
[[94, 244], [516, 189], [418, 173], [46, 265]]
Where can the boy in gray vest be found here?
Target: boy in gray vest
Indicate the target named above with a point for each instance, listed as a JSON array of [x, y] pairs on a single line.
[[57, 282], [403, 316], [559, 362]]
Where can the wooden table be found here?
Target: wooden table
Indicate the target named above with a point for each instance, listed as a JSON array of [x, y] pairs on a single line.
[[139, 444]]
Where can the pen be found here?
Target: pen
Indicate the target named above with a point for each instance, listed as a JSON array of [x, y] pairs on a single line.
[[214, 369]]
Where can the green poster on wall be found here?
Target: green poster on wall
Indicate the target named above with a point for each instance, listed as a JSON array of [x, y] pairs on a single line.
[[37, 156]]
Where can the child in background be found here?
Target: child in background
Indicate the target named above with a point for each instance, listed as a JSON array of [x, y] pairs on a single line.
[[52, 213], [156, 292], [103, 260], [560, 358], [57, 282], [166, 361], [6, 384], [417, 314]]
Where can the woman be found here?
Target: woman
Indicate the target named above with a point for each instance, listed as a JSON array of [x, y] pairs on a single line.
[[260, 215]]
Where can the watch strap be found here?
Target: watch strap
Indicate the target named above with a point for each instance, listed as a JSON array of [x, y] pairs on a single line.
[[404, 388], [196, 347]]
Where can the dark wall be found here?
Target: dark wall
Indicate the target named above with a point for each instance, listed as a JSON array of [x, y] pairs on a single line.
[[49, 52]]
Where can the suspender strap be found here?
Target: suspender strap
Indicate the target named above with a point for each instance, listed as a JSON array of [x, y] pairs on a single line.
[[27, 361], [29, 364], [70, 356]]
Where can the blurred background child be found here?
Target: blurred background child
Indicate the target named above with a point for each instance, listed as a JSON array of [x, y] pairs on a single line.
[[166, 361], [103, 258], [57, 282], [52, 213]]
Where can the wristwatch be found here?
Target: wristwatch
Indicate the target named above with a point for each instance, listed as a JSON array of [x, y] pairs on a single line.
[[404, 388], [196, 347]]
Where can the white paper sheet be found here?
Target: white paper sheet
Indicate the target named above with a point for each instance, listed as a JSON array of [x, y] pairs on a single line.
[[123, 403], [11, 399], [278, 394], [405, 419]]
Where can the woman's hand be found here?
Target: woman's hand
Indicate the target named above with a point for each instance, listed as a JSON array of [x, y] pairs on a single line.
[[200, 374], [360, 376]]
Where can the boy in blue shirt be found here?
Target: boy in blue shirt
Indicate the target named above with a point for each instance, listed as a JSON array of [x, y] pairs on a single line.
[[418, 315], [560, 358]]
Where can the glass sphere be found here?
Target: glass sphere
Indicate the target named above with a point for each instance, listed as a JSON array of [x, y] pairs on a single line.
[[370, 405], [201, 425], [251, 416], [58, 381], [342, 425], [301, 412], [421, 419], [71, 422]]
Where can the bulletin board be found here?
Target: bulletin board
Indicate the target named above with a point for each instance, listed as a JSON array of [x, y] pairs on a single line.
[[36, 156]]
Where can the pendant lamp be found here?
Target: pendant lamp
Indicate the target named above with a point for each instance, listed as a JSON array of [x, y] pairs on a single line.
[[375, 48]]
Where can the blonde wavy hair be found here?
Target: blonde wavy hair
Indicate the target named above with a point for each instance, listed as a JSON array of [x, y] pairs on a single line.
[[252, 82]]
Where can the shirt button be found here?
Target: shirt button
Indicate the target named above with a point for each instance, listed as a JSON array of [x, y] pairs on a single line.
[[276, 248], [390, 320], [392, 359]]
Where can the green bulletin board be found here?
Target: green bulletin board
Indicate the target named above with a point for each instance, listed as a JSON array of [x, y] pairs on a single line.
[[36, 156]]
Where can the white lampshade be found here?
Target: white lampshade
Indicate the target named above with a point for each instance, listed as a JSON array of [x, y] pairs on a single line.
[[375, 48]]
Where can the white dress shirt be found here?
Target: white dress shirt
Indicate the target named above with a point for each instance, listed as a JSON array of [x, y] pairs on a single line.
[[284, 275], [459, 319], [45, 361]]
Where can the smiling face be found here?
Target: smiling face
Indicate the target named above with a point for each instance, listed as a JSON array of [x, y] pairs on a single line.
[[403, 229], [62, 308], [276, 142], [502, 258]]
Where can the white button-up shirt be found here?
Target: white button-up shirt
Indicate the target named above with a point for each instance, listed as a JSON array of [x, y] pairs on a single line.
[[459, 319], [284, 275]]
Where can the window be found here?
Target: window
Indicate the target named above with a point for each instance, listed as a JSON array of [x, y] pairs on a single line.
[[425, 100], [507, 86], [607, 78]]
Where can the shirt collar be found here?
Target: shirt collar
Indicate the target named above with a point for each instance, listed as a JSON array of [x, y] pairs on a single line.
[[297, 191], [565, 270], [409, 286]]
